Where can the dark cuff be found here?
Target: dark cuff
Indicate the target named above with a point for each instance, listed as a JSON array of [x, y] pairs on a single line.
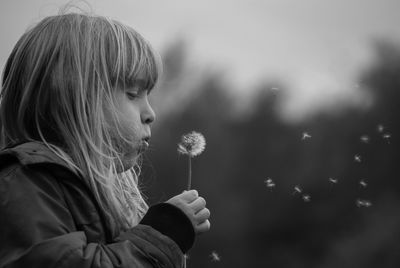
[[172, 222]]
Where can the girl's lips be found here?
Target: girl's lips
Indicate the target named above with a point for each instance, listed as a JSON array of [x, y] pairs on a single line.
[[143, 146], [145, 143]]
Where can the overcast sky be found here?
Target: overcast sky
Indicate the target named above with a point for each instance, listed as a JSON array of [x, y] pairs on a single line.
[[316, 46]]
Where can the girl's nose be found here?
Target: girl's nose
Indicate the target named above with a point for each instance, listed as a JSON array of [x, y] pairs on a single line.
[[148, 115]]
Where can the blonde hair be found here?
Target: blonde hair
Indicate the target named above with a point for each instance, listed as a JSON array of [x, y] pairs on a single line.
[[57, 83]]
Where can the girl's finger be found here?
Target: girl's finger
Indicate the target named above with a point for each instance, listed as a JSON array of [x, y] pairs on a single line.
[[198, 204], [203, 215], [190, 196], [203, 227]]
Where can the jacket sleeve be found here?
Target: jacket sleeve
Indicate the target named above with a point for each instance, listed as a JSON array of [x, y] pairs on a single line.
[[37, 230]]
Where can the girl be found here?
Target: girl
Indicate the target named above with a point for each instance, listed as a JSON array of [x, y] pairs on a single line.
[[74, 120]]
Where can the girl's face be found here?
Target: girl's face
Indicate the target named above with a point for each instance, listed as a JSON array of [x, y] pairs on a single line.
[[135, 116]]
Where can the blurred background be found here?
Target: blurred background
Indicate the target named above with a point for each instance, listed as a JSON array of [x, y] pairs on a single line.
[[299, 104]]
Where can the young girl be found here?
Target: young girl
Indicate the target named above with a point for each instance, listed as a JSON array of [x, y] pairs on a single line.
[[74, 120]]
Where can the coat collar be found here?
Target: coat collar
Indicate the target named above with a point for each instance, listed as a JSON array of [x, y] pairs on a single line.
[[38, 153]]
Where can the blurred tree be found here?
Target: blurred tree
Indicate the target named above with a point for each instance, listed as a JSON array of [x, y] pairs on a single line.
[[257, 226]]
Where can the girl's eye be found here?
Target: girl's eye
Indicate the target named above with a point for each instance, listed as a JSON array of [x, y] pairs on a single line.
[[140, 93], [132, 95]]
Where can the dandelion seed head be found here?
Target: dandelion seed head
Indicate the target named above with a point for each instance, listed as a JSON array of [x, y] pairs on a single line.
[[192, 144]]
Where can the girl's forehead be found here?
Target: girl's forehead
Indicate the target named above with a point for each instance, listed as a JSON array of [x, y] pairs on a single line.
[[141, 84]]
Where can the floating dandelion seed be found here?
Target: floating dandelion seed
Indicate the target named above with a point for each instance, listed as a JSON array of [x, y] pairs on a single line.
[[364, 138], [363, 183], [363, 203], [192, 144], [333, 180], [387, 137], [380, 128], [297, 189], [269, 183], [306, 198], [214, 256], [305, 136], [357, 158], [367, 203], [275, 88]]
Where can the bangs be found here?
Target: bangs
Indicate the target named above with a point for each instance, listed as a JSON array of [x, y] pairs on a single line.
[[132, 60]]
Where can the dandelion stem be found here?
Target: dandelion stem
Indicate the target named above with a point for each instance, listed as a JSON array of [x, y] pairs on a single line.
[[190, 174]]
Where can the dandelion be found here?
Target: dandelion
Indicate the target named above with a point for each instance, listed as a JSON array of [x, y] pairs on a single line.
[[363, 183], [214, 256], [305, 136], [333, 180], [357, 158], [297, 189], [363, 203], [306, 198], [364, 138], [269, 183], [380, 128], [192, 144]]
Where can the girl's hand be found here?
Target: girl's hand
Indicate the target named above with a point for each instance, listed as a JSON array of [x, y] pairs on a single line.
[[195, 209]]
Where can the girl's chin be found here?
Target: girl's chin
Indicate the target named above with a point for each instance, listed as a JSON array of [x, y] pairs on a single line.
[[131, 158], [128, 161]]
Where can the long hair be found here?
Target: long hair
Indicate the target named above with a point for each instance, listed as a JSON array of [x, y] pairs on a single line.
[[57, 83]]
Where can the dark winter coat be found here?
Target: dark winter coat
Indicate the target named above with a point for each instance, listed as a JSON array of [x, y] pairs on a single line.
[[49, 218]]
